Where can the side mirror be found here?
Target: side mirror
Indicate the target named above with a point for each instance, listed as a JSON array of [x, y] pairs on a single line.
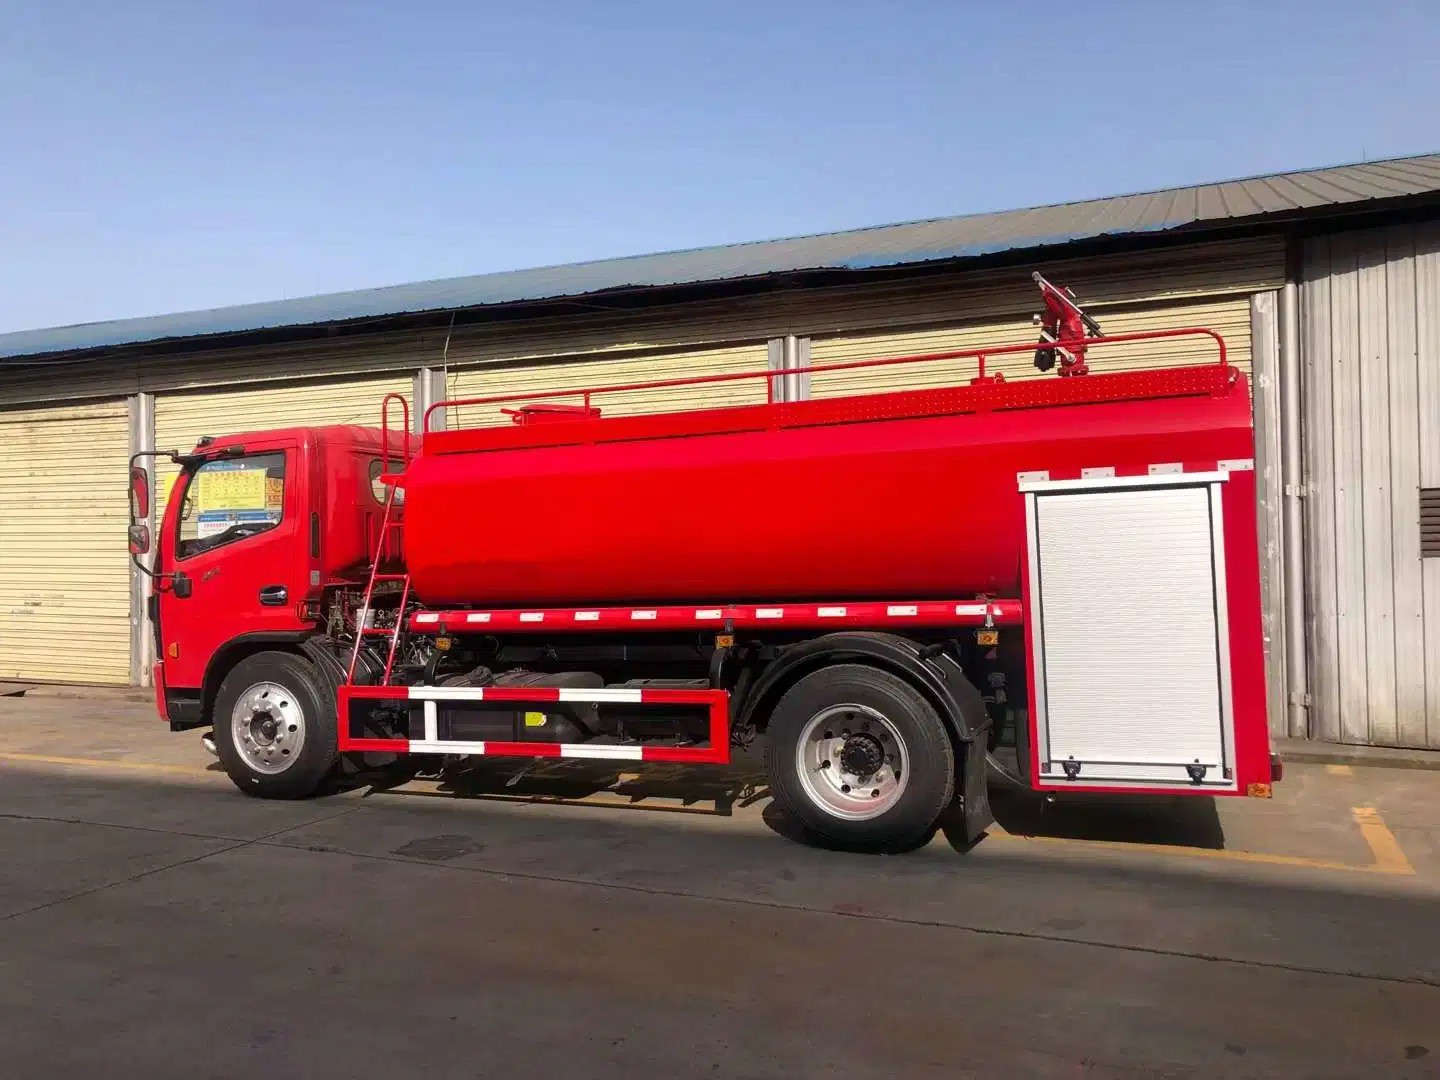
[[139, 498], [139, 539]]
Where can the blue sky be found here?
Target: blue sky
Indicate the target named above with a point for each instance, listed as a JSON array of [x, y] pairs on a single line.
[[167, 156]]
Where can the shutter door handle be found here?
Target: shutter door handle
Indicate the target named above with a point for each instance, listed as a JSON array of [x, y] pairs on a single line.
[[274, 595]]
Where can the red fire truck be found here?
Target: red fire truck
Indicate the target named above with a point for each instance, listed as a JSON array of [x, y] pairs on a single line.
[[1055, 576]]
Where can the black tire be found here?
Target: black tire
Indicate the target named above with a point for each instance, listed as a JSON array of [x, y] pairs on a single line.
[[930, 783], [303, 688]]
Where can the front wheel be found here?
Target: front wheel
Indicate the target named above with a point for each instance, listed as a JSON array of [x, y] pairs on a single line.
[[860, 759], [275, 727]]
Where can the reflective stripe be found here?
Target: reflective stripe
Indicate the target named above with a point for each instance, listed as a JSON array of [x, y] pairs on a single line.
[[582, 750], [619, 693], [426, 746], [447, 693]]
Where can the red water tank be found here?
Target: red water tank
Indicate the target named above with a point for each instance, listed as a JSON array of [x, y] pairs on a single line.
[[897, 496]]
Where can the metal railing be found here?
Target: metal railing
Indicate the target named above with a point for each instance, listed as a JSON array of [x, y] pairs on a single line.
[[980, 356], [386, 476]]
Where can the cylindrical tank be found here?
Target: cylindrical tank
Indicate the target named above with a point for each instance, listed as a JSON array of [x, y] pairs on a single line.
[[689, 507]]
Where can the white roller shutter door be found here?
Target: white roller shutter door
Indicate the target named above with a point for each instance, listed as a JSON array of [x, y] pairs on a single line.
[[1128, 617]]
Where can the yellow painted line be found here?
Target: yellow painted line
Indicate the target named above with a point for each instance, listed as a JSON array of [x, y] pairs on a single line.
[[101, 763], [1340, 770], [1179, 850], [1389, 858]]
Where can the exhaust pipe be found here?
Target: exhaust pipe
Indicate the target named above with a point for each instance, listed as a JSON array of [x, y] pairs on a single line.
[[208, 741]]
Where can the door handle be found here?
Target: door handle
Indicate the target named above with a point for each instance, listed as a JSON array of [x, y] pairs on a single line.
[[274, 595]]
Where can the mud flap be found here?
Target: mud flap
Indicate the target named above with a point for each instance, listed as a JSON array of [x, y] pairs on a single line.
[[976, 815]]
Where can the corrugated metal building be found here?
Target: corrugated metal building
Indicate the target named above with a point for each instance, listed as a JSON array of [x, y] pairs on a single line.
[[1331, 270]]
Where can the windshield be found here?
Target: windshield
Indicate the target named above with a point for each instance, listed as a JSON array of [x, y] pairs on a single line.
[[229, 500]]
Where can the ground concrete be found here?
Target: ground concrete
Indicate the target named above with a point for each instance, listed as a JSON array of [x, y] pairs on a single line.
[[589, 923], [1309, 751]]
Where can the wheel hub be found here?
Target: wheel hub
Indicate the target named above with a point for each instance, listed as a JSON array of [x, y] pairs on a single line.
[[852, 761], [861, 755], [268, 727]]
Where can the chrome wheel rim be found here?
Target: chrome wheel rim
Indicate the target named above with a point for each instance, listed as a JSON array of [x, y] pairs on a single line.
[[268, 727], [852, 762]]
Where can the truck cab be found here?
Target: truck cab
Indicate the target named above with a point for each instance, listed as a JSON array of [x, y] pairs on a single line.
[[258, 528]]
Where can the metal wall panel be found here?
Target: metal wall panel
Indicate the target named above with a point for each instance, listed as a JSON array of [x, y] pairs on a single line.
[[1427, 377], [1370, 305], [1318, 407], [1378, 527], [64, 566], [1404, 435]]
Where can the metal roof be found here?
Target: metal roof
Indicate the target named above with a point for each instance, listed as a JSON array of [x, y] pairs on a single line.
[[949, 238]]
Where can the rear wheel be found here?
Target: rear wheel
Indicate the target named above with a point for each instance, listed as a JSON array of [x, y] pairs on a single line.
[[275, 727], [860, 759]]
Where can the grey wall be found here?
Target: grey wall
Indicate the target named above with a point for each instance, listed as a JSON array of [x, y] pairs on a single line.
[[1370, 340]]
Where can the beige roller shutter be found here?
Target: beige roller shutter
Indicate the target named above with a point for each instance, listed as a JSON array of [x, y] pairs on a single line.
[[182, 417], [64, 566], [559, 375], [1229, 317]]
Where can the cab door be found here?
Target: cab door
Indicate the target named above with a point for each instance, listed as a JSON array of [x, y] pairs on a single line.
[[233, 555]]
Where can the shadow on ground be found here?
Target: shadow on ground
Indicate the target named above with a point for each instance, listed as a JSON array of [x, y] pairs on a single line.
[[680, 788], [1171, 821], [1182, 820]]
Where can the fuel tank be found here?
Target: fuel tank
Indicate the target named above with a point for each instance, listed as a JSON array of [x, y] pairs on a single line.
[[908, 495]]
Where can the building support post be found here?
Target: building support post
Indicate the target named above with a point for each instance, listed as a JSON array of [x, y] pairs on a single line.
[[140, 409], [428, 387], [800, 361], [1269, 489], [790, 353], [1293, 477]]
